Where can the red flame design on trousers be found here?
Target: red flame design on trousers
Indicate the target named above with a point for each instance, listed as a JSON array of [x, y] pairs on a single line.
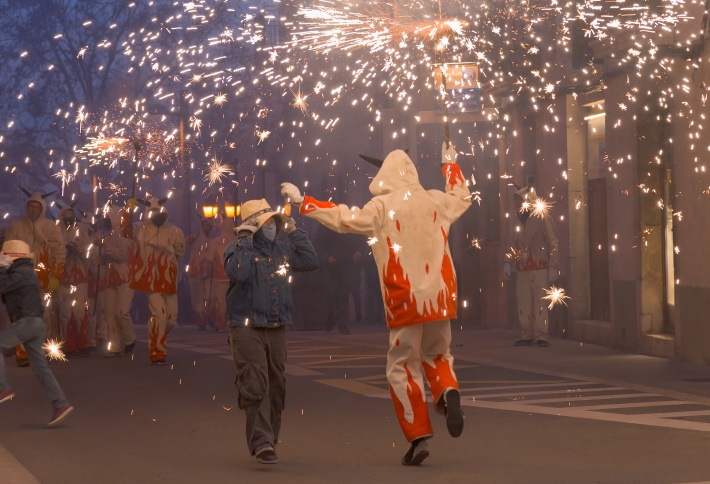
[[420, 426], [439, 376]]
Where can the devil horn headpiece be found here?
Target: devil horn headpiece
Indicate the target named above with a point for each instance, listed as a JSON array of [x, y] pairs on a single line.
[[25, 191], [162, 201], [45, 195]]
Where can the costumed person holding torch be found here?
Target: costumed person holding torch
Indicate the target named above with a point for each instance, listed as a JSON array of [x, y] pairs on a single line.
[[46, 243], [153, 266], [408, 228], [536, 263]]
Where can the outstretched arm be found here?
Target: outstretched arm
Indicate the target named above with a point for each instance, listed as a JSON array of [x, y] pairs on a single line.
[[458, 197]]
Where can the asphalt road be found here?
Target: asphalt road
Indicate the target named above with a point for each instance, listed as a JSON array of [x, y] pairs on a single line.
[[564, 414]]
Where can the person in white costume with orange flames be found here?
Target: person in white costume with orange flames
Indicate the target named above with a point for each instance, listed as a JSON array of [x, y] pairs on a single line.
[[408, 228], [154, 270]]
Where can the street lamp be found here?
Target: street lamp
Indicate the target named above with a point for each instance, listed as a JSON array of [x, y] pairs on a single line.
[[209, 211], [232, 211]]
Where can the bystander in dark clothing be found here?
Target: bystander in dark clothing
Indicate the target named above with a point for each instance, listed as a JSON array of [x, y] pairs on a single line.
[[340, 257], [20, 291], [259, 306]]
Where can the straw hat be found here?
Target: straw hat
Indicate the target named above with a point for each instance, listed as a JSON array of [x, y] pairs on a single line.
[[16, 249], [256, 212]]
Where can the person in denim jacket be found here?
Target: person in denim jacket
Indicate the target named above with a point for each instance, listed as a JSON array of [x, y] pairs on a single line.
[[21, 294], [259, 306]]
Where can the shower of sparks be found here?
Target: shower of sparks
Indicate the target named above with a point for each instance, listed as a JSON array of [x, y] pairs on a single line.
[[216, 172], [372, 240], [299, 101], [262, 135], [555, 295], [282, 270], [476, 243], [65, 176], [54, 350]]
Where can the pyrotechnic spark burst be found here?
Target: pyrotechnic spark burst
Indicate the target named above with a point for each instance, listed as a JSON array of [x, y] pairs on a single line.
[[54, 350], [555, 295]]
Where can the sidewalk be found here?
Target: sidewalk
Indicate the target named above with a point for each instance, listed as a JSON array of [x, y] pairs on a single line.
[[572, 359]]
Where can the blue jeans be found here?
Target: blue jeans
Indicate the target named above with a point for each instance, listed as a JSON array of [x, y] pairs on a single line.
[[31, 332]]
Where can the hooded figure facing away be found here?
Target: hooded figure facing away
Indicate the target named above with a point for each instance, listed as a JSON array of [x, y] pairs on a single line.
[[45, 241], [154, 270], [408, 228]]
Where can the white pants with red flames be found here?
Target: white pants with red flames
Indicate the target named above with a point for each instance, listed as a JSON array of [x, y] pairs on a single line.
[[164, 309], [419, 352]]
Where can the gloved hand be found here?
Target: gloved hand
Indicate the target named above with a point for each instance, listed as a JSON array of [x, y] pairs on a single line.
[[53, 285], [245, 230], [291, 192], [448, 155], [552, 274], [289, 225], [5, 260], [507, 270]]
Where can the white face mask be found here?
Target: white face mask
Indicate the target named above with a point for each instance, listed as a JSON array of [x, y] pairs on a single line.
[[269, 232]]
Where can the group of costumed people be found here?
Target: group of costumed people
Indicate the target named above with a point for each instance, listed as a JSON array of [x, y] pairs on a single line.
[[408, 228], [87, 274]]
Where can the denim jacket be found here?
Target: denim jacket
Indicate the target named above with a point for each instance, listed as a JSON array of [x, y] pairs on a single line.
[[259, 271], [20, 290]]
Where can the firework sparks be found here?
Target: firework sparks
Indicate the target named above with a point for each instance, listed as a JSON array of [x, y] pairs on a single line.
[[282, 270], [54, 350], [216, 172], [555, 295]]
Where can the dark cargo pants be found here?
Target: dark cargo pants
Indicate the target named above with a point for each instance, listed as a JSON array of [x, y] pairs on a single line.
[[260, 356]]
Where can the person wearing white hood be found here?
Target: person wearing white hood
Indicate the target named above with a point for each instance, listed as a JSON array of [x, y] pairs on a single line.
[[73, 292], [408, 228], [536, 264], [45, 241], [154, 270], [118, 295]]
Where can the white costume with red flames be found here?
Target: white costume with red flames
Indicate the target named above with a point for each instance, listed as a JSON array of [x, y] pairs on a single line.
[[154, 270], [409, 229]]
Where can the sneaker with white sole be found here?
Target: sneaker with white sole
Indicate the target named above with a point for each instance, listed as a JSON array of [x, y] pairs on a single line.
[[6, 395], [60, 414]]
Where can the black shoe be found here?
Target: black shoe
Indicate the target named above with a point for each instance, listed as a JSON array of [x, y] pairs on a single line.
[[541, 343], [23, 363], [415, 455], [158, 362], [129, 348], [344, 329], [524, 342], [453, 412]]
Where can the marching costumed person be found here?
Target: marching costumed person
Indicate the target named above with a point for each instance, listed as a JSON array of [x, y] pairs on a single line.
[[219, 282], [118, 294], [46, 243], [159, 246], [73, 294], [409, 230], [199, 272], [21, 294], [536, 264], [259, 307]]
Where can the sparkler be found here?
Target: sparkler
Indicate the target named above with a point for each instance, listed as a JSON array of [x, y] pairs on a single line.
[[54, 350], [555, 295]]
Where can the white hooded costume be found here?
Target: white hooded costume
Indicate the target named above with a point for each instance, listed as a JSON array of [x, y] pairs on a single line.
[[408, 228]]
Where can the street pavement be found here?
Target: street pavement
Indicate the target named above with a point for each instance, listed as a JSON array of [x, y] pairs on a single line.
[[570, 413]]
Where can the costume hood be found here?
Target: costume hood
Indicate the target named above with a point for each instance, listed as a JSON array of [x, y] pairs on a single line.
[[397, 171]]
